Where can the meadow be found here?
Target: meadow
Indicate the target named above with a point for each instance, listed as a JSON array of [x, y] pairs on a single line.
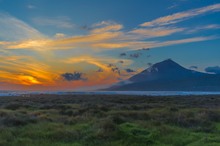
[[109, 120]]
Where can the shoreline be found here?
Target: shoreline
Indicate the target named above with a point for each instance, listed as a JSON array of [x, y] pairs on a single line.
[[131, 93]]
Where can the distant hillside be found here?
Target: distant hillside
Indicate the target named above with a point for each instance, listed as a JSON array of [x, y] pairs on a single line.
[[170, 76]]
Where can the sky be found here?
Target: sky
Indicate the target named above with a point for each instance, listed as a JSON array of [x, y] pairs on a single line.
[[91, 44]]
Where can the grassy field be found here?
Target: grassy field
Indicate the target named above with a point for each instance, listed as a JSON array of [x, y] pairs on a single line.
[[109, 120]]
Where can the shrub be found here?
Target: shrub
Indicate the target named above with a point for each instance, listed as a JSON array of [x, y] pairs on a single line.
[[106, 128], [13, 106], [16, 119]]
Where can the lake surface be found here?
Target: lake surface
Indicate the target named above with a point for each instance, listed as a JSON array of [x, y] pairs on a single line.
[[148, 93]]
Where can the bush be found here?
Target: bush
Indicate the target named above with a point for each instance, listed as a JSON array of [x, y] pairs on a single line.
[[16, 119], [106, 128], [13, 106]]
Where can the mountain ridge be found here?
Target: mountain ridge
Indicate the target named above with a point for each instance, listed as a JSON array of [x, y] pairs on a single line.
[[170, 76]]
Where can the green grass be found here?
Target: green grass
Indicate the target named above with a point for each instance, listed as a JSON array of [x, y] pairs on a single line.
[[73, 120]]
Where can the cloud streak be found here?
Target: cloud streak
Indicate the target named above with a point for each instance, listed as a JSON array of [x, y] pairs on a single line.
[[155, 32], [105, 34], [181, 16], [13, 29], [30, 6], [25, 70], [106, 26], [202, 28]]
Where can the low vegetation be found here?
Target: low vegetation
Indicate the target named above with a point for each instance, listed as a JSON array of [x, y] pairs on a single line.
[[109, 120]]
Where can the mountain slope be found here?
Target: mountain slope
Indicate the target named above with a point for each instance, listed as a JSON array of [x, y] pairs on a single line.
[[170, 76], [165, 70]]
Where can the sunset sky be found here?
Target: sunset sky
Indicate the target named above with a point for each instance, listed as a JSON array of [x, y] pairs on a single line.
[[90, 44]]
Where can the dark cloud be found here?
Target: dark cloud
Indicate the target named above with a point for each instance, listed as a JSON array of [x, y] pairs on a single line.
[[144, 49], [123, 54], [85, 27], [76, 76], [135, 55], [121, 61], [193, 67], [128, 70], [114, 68], [111, 65], [213, 69], [100, 70]]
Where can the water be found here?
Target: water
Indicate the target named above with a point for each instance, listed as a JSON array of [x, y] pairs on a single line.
[[148, 93]]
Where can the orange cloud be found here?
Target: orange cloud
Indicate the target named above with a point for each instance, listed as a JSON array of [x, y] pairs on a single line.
[[156, 32], [107, 76], [63, 43], [28, 80], [108, 28], [110, 45], [25, 70]]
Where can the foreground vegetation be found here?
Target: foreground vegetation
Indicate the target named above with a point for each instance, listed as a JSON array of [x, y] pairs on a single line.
[[109, 120]]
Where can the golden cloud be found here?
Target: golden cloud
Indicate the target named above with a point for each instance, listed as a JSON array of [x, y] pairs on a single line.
[[25, 70]]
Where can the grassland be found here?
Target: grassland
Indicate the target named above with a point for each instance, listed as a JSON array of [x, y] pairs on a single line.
[[104, 120]]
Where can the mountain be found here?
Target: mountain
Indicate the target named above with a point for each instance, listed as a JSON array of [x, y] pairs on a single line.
[[170, 76]]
